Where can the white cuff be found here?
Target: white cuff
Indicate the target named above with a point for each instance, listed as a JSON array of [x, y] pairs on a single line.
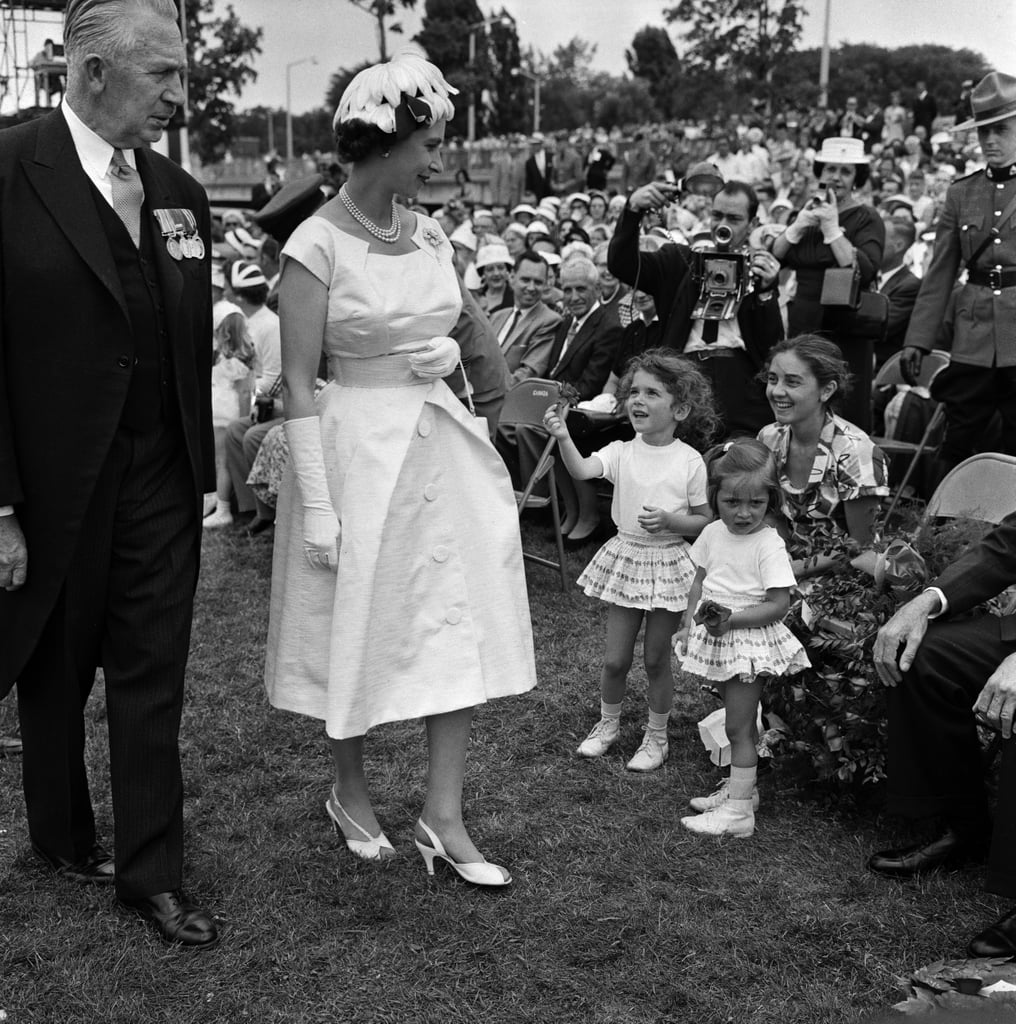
[[6, 510], [942, 600], [831, 236]]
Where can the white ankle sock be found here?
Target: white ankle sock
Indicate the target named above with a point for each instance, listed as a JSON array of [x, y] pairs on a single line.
[[610, 712], [658, 721], [742, 782], [222, 506]]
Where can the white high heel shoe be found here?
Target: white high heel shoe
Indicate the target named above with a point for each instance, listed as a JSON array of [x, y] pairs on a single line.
[[478, 873], [370, 847]]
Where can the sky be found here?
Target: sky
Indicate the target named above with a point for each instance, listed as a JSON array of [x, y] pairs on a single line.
[[337, 35]]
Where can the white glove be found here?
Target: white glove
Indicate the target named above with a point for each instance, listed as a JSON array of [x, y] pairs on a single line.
[[805, 219], [320, 524], [438, 359], [829, 222]]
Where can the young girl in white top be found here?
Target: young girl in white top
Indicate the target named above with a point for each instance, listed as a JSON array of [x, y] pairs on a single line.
[[644, 572], [735, 636]]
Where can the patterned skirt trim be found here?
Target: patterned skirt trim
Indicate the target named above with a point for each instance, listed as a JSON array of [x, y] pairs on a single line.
[[643, 574], [744, 653]]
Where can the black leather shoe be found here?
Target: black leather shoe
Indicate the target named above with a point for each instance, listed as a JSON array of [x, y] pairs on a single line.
[[96, 868], [947, 851], [176, 919], [998, 939]]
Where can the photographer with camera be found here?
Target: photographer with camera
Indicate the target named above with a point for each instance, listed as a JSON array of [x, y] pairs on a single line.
[[833, 230], [719, 307]]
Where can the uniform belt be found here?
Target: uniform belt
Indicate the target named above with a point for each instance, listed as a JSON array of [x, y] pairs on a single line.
[[720, 352], [996, 278]]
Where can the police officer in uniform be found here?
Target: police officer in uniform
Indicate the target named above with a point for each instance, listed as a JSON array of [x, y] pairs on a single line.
[[976, 233]]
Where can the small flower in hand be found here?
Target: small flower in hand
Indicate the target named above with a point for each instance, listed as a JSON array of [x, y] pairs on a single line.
[[715, 617]]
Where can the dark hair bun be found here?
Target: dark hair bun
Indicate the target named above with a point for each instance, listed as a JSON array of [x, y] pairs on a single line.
[[355, 140]]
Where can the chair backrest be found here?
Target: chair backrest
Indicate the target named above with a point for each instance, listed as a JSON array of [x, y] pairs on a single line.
[[931, 364], [981, 487], [525, 404]]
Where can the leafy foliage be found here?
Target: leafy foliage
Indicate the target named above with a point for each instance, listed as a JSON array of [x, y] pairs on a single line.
[[835, 712], [743, 41], [220, 52], [383, 11]]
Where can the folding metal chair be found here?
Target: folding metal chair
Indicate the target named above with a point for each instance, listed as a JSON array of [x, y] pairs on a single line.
[[524, 406], [981, 487], [889, 376]]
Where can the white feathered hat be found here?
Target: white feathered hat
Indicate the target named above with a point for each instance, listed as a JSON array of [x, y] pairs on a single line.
[[397, 96]]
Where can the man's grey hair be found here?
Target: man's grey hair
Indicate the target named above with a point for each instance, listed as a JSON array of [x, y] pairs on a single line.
[[583, 265], [105, 27]]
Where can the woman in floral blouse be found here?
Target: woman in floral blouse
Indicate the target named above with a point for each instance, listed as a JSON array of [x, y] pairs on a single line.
[[832, 476]]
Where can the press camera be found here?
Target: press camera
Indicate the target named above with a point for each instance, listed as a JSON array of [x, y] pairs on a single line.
[[723, 278]]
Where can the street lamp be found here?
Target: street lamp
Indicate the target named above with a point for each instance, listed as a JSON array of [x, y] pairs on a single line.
[[535, 79], [502, 19], [289, 104]]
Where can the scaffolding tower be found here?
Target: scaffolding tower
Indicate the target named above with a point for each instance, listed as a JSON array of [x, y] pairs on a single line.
[[31, 72]]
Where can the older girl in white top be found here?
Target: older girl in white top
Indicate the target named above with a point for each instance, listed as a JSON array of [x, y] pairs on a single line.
[[644, 572]]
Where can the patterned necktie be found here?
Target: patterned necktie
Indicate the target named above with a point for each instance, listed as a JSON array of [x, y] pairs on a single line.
[[128, 194]]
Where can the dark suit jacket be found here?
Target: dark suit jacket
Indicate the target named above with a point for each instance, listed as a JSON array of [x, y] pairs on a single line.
[[539, 184], [901, 290], [528, 353], [587, 362], [666, 275], [983, 572], [66, 350], [925, 111]]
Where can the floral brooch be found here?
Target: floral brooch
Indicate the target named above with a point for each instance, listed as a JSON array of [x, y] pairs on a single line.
[[432, 235]]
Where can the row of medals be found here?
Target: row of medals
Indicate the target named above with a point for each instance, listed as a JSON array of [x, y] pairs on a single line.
[[180, 230]]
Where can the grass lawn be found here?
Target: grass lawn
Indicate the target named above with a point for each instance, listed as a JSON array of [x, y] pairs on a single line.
[[616, 914]]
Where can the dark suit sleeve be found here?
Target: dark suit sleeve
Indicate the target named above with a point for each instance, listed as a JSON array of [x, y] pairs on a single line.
[[868, 238], [601, 357], [901, 305], [761, 327], [984, 571], [10, 481], [658, 273]]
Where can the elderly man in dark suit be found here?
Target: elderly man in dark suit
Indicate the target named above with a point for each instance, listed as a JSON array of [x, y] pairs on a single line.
[[977, 233], [105, 449], [949, 677], [526, 330], [898, 284]]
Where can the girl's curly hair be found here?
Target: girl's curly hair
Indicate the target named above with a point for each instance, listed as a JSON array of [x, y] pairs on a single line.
[[686, 384]]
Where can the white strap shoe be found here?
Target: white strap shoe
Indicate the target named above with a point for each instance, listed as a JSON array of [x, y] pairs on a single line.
[[479, 873], [370, 847]]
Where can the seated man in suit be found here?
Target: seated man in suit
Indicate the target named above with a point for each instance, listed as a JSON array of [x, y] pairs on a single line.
[[731, 353], [526, 331], [949, 678], [582, 354], [898, 284]]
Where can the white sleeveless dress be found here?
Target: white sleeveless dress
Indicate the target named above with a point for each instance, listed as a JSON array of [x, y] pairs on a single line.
[[428, 612]]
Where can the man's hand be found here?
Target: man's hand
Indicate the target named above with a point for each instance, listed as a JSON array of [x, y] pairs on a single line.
[[653, 196], [905, 629], [13, 554], [996, 703], [910, 363], [766, 268]]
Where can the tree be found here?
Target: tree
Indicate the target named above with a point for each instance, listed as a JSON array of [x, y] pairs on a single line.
[[382, 11], [653, 59], [445, 37], [219, 62], [746, 40]]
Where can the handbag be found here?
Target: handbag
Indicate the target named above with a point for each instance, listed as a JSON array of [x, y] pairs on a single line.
[[841, 286]]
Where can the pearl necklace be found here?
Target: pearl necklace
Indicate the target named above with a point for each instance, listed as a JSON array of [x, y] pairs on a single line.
[[390, 235]]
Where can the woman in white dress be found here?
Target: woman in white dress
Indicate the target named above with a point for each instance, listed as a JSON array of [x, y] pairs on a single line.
[[398, 588]]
